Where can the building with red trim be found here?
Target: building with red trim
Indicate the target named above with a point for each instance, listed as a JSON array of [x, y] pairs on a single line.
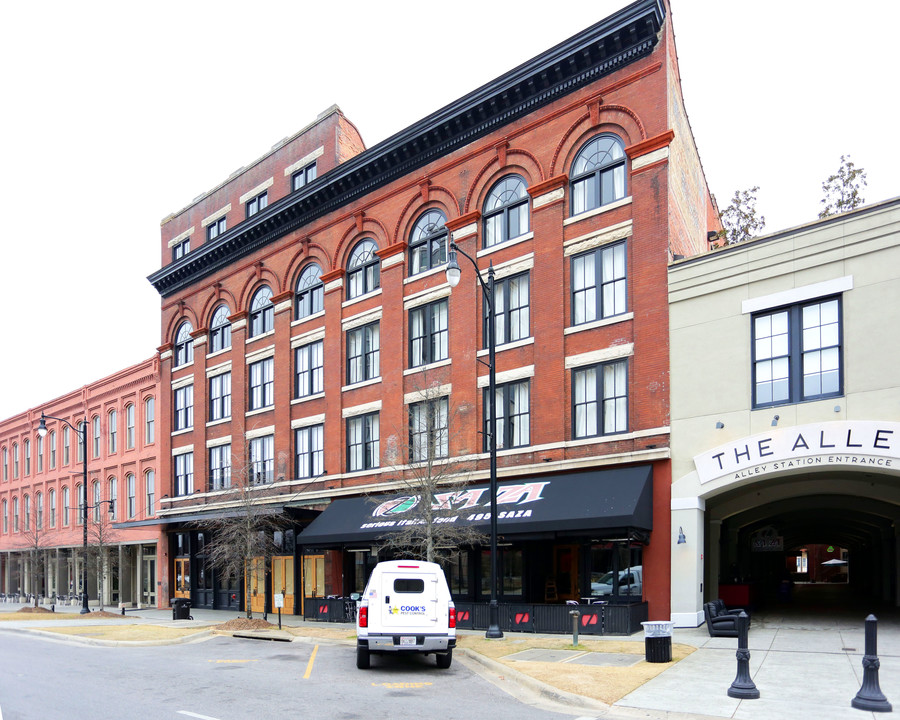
[[305, 306], [41, 494]]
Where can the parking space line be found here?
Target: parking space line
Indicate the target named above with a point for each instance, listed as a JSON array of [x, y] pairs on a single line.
[[309, 665], [195, 715]]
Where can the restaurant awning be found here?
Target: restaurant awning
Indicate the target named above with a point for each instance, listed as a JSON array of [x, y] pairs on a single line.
[[616, 502]]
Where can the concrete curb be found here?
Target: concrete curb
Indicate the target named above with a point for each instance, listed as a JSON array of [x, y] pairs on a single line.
[[548, 692], [80, 639]]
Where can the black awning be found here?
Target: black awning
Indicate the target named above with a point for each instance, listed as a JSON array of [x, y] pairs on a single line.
[[615, 501]]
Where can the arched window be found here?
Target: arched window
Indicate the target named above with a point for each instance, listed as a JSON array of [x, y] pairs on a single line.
[[38, 511], [4, 458], [15, 514], [428, 242], [27, 509], [5, 518], [95, 493], [15, 460], [149, 420], [112, 430], [184, 345], [505, 211], [129, 426], [51, 498], [95, 429], [362, 270], [262, 312], [310, 292], [150, 491], [65, 505], [26, 445], [114, 496], [598, 174], [220, 330]]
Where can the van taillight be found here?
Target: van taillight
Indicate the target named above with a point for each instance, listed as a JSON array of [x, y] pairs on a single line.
[[452, 616], [364, 615]]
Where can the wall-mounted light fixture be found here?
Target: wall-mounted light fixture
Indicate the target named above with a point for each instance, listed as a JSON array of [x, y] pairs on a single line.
[[681, 538], [775, 420], [719, 425]]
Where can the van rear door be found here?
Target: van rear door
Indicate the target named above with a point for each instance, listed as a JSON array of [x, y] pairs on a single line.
[[409, 599]]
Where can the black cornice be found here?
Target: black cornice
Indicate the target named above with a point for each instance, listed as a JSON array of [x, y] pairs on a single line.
[[603, 48]]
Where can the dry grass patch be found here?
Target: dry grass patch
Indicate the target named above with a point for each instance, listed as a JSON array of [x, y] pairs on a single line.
[[606, 684]]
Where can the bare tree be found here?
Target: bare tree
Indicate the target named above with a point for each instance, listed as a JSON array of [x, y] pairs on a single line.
[[35, 551], [102, 550], [740, 218], [843, 190], [431, 481], [244, 533]]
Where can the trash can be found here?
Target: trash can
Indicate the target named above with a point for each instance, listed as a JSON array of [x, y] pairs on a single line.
[[181, 608], [658, 641]]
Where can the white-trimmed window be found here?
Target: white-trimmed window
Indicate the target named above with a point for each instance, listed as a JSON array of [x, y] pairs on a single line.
[[262, 312], [51, 509], [428, 333], [600, 399], [310, 445], [309, 362], [114, 497], [184, 407], [184, 474], [797, 353], [363, 269], [184, 345], [599, 285], [220, 467], [112, 419], [130, 488], [513, 415], [254, 205], [220, 396], [262, 384], [262, 459], [149, 421], [220, 330], [505, 214], [66, 500], [597, 177], [129, 426], [428, 430], [512, 310], [95, 428], [362, 442], [363, 353], [150, 492]]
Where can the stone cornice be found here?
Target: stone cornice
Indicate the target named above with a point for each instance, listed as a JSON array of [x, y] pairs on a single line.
[[600, 50]]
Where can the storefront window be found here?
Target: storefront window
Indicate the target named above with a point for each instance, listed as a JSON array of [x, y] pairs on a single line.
[[456, 568], [617, 571], [510, 569]]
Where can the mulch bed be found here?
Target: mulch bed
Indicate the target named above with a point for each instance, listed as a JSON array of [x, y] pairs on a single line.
[[244, 623]]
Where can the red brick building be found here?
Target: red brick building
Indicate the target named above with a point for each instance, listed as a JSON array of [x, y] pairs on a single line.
[[41, 493], [305, 304]]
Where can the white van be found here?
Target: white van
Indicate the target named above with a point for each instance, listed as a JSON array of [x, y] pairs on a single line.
[[406, 607]]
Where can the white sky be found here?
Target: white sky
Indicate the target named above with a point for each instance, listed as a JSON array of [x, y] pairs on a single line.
[[115, 114]]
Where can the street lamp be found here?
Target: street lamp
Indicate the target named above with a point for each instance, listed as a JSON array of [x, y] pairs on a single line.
[[487, 290], [82, 436]]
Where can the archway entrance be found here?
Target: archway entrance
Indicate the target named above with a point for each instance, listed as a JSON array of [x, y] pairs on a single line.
[[806, 543]]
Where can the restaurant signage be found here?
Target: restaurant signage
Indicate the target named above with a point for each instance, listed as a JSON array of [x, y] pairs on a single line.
[[851, 444]]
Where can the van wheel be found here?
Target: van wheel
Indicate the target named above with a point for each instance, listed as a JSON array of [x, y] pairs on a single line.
[[444, 660], [362, 658]]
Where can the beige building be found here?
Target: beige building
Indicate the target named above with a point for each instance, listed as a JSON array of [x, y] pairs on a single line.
[[785, 415]]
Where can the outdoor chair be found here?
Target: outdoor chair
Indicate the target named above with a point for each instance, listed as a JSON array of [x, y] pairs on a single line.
[[719, 625]]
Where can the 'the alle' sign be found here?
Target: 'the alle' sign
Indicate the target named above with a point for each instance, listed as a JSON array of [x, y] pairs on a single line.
[[854, 444]]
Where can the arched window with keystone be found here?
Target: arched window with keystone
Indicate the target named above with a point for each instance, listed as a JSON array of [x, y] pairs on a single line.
[[363, 269], [310, 297], [184, 345], [598, 174], [505, 211], [262, 312], [428, 242]]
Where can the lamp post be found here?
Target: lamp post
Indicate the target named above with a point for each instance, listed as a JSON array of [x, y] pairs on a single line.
[[487, 290], [82, 436]]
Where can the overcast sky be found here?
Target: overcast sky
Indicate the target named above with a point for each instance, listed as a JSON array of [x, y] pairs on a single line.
[[116, 114]]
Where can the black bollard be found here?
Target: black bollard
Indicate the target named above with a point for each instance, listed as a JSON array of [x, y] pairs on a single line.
[[870, 696], [743, 686]]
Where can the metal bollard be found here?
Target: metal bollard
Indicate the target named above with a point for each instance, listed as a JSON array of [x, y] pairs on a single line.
[[743, 686], [575, 615], [870, 696]]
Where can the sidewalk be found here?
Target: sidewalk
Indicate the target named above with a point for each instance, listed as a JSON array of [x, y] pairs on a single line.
[[802, 666]]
